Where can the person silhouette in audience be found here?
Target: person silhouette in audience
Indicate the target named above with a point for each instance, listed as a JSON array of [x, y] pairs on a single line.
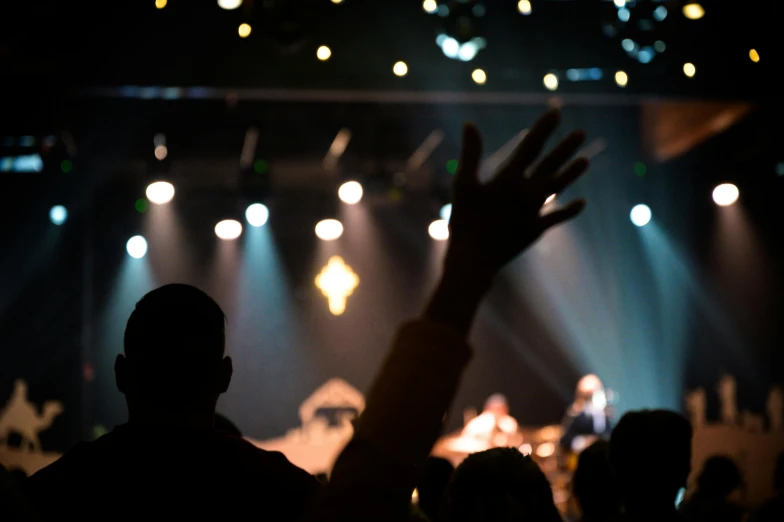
[[222, 423], [593, 484], [433, 481], [773, 509], [499, 485], [13, 505], [719, 478], [650, 451], [169, 461]]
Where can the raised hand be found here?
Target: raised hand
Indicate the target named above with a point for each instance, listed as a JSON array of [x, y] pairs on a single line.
[[493, 223]]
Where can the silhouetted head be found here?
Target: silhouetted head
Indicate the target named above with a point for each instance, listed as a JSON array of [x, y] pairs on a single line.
[[593, 483], [433, 481], [719, 477], [497, 404], [174, 364], [226, 426], [650, 451], [587, 386], [498, 485]]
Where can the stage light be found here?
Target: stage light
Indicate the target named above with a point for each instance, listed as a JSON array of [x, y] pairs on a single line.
[[58, 214], [693, 11], [754, 56], [430, 6], [551, 81], [160, 192], [159, 139], [689, 69], [136, 247], [400, 69], [161, 152], [446, 212], [160, 4], [619, 3], [549, 199], [525, 449], [545, 449], [337, 282], [350, 192], [323, 53], [337, 1], [640, 215], [439, 230], [329, 229], [257, 215], [228, 229], [621, 78], [479, 76], [725, 194], [229, 4], [524, 6], [244, 30]]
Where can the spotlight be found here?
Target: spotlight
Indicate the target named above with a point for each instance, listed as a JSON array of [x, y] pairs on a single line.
[[58, 214], [446, 212], [430, 6], [549, 199], [460, 38], [439, 230], [725, 194], [329, 229], [229, 4], [350, 192], [693, 11], [640, 215], [323, 53], [400, 69], [257, 215], [136, 247], [161, 152], [551, 81], [160, 192], [228, 229]]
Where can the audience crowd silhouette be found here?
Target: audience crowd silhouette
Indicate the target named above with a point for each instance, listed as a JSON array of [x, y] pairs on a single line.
[[175, 458]]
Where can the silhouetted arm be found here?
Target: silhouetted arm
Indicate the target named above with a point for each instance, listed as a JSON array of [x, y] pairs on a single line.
[[491, 224]]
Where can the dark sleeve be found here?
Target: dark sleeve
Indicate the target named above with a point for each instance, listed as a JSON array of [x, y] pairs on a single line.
[[375, 474], [568, 432]]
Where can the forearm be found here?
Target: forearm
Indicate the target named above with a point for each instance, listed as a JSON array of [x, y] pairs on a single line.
[[456, 299]]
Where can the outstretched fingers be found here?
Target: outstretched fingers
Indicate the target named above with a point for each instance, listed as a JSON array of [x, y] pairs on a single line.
[[553, 161], [470, 156], [557, 217], [530, 148], [569, 175]]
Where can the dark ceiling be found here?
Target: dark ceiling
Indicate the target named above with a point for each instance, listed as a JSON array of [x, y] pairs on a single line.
[[58, 46]]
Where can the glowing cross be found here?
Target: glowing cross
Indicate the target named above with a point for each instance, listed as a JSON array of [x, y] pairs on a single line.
[[337, 281]]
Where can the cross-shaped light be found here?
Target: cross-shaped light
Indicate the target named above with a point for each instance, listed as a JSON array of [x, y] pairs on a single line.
[[337, 281]]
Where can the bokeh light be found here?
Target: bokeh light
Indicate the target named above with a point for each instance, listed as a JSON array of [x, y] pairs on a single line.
[[329, 229], [689, 69], [161, 152], [551, 81], [160, 4], [257, 215], [430, 6], [58, 214], [439, 230], [479, 76], [244, 30], [549, 199], [754, 56], [229, 4], [228, 229], [400, 69], [725, 194], [524, 7], [136, 247], [446, 212], [160, 192], [66, 166], [640, 215], [621, 78], [323, 53], [693, 11], [350, 192], [141, 205]]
